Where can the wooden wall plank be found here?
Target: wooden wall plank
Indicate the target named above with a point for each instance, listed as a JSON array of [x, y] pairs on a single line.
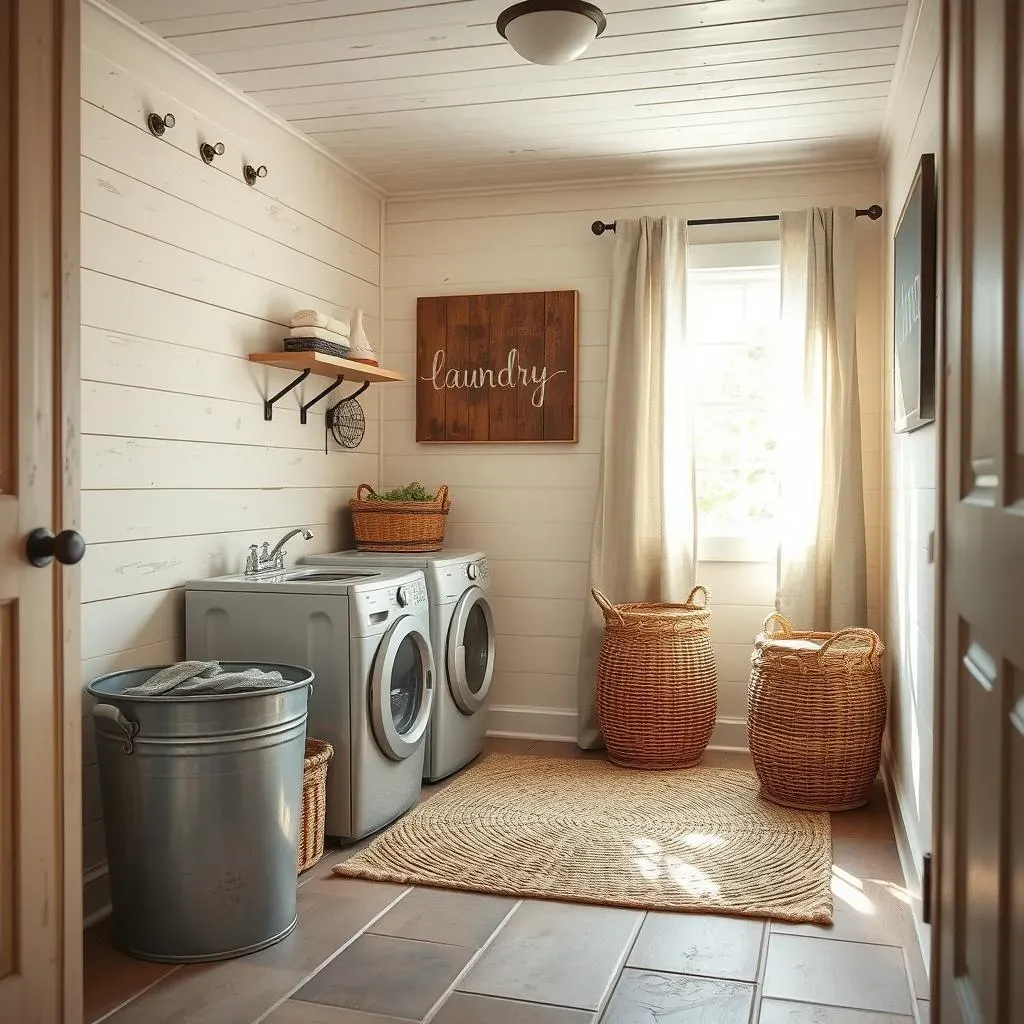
[[502, 416], [431, 333], [560, 356], [456, 418]]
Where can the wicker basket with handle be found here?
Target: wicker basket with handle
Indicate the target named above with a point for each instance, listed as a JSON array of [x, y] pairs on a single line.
[[314, 802], [816, 712], [657, 685], [399, 525]]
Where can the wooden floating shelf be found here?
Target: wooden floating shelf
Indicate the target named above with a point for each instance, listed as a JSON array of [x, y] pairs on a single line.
[[326, 366]]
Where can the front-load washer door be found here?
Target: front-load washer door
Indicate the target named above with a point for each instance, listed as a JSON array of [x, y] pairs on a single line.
[[401, 689], [470, 654]]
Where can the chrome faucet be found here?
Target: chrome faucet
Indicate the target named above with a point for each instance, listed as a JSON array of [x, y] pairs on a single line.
[[272, 559]]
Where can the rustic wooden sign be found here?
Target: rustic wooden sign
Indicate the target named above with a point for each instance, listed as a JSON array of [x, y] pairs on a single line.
[[496, 368]]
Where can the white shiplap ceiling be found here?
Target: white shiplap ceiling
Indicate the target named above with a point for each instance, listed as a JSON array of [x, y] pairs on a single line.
[[421, 96]]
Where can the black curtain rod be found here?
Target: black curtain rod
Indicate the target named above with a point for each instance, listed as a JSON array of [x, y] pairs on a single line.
[[599, 227]]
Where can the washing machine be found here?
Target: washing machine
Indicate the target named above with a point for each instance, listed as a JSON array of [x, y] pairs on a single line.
[[462, 636], [366, 635]]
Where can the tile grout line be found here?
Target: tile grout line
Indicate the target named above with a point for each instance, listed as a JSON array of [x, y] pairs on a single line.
[[470, 964], [138, 995], [620, 966], [341, 949], [759, 974]]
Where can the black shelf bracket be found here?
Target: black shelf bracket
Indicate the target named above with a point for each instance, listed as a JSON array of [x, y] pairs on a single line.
[[268, 405], [348, 398], [323, 394]]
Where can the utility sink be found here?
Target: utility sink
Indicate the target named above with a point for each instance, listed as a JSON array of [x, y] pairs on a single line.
[[318, 576]]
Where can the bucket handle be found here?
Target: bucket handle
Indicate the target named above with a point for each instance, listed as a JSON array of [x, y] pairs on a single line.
[[125, 724]]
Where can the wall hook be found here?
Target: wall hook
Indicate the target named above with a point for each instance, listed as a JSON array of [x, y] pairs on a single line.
[[252, 173], [158, 125], [208, 152]]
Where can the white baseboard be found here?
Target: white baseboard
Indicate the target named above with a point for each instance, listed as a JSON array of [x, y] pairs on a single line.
[[531, 723], [729, 734], [526, 723], [909, 862]]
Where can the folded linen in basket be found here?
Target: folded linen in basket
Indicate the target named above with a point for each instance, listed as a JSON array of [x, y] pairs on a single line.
[[319, 332], [314, 318], [188, 677]]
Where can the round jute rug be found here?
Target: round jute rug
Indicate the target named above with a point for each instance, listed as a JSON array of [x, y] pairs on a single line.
[[698, 839]]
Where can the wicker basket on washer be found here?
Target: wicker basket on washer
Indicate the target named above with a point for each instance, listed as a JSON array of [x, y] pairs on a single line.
[[815, 715], [657, 686]]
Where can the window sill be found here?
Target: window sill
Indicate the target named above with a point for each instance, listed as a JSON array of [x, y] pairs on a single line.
[[751, 548]]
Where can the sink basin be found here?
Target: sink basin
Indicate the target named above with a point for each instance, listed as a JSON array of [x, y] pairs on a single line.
[[318, 576]]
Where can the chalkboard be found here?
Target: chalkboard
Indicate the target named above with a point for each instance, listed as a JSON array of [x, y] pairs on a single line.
[[915, 303], [497, 368]]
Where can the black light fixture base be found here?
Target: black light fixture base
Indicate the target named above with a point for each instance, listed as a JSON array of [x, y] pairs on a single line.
[[594, 13]]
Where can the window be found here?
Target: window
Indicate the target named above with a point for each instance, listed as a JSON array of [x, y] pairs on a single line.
[[733, 320]]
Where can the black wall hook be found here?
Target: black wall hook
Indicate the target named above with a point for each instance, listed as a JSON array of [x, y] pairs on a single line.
[[252, 173], [208, 152], [158, 125]]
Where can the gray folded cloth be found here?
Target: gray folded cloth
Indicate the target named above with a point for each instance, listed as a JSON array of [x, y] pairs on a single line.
[[188, 677]]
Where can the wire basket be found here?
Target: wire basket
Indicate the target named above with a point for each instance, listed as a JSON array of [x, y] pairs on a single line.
[[399, 525], [816, 712], [657, 683]]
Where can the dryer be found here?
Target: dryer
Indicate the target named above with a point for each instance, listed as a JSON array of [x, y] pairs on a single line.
[[462, 636], [366, 635]]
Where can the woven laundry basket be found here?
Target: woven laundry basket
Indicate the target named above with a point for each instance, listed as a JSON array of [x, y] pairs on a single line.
[[314, 802], [816, 712], [399, 525], [657, 685]]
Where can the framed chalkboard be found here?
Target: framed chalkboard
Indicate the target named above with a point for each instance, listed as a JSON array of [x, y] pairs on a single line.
[[915, 303], [497, 368]]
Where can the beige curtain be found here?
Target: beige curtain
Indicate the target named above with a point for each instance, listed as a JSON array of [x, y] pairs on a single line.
[[644, 543], [823, 559]]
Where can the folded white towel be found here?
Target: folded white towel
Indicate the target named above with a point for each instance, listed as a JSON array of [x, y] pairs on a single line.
[[314, 318], [318, 332]]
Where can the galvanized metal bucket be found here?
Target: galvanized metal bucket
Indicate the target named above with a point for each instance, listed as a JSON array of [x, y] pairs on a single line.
[[202, 802]]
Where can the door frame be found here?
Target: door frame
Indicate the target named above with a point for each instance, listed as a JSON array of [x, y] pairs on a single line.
[[67, 497]]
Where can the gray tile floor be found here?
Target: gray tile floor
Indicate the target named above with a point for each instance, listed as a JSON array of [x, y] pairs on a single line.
[[373, 953]]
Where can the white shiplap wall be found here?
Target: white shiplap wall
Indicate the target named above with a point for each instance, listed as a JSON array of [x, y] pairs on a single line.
[[185, 271], [531, 507], [911, 463]]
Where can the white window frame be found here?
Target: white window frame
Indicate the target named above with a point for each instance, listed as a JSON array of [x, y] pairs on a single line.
[[749, 548]]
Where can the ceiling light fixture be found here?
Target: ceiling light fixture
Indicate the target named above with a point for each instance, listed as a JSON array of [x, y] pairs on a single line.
[[551, 31]]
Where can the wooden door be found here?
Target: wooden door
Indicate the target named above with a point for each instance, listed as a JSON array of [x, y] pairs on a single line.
[[978, 964], [40, 764]]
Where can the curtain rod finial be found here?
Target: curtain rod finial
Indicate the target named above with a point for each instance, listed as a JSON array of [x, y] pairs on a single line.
[[599, 227], [874, 212]]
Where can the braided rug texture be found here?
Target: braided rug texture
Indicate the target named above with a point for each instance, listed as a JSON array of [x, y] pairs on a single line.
[[584, 830]]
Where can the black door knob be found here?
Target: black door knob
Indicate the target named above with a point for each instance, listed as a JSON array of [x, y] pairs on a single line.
[[42, 547]]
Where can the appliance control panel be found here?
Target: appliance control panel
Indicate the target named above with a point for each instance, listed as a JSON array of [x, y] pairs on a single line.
[[374, 607]]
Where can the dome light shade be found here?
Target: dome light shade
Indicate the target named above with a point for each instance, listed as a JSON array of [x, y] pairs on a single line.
[[551, 31]]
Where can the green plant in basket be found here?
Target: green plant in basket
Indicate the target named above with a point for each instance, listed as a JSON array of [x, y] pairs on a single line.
[[411, 492]]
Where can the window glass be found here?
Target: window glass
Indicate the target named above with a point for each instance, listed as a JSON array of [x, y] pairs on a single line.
[[733, 324]]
